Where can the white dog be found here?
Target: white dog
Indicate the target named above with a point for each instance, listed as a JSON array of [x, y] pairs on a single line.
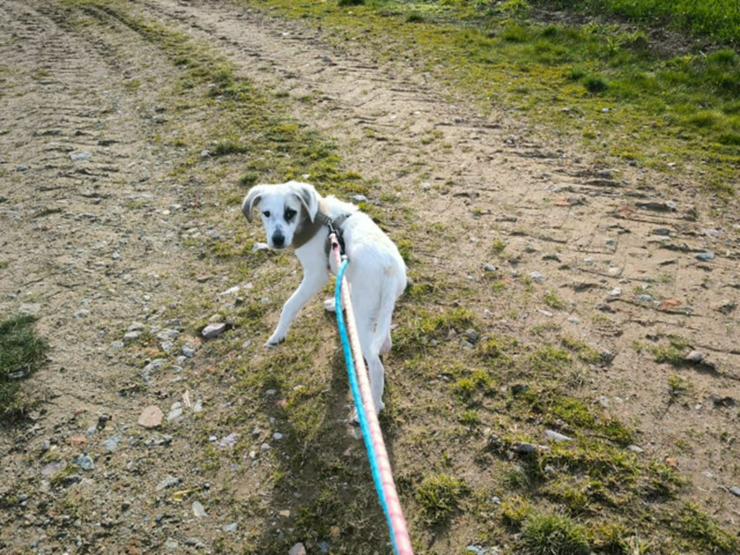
[[294, 214]]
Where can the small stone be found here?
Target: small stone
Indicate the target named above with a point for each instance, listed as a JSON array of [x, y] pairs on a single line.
[[204, 153], [116, 346], [136, 326], [284, 514], [635, 449], [277, 436], [77, 441], [198, 509], [472, 335], [230, 528], [229, 441], [524, 449], [694, 357], [53, 468], [85, 462], [171, 544], [297, 549], [32, 309], [111, 444], [706, 256], [556, 436], [359, 198], [723, 402], [175, 412], [152, 368], [198, 406], [197, 543], [81, 156], [645, 298], [726, 306], [260, 247], [230, 291], [151, 417], [476, 550], [265, 447], [131, 336], [735, 490], [168, 482], [489, 268], [211, 331], [324, 547], [168, 334], [537, 277]]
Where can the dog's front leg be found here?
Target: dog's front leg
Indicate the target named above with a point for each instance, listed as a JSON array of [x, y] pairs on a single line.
[[313, 282]]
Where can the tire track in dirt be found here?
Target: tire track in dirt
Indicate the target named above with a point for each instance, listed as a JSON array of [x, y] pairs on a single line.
[[91, 225], [589, 230]]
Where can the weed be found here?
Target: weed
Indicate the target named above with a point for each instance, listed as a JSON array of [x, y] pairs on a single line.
[[515, 510], [553, 301], [551, 534], [439, 497], [673, 353], [677, 386], [583, 351], [22, 352], [549, 360], [692, 522]]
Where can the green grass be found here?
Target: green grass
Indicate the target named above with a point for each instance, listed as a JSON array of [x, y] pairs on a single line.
[[553, 535], [717, 20], [22, 352], [439, 497], [610, 87]]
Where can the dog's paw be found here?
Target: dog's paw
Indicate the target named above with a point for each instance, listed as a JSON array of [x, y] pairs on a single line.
[[330, 305], [274, 342]]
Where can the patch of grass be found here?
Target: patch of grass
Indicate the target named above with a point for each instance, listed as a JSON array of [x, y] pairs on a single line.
[[477, 381], [551, 534], [426, 327], [22, 352], [228, 146], [677, 386], [673, 353], [695, 524], [583, 351], [554, 301], [549, 360], [515, 510], [562, 74], [439, 497]]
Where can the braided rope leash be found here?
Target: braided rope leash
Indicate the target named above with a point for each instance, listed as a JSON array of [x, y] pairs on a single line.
[[377, 454]]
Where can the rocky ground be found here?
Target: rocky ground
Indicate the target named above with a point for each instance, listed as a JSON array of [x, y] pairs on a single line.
[[122, 233]]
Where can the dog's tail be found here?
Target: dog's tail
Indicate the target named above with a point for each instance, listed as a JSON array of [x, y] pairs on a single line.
[[391, 290]]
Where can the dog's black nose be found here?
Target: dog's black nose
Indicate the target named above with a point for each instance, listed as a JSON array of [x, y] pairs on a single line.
[[278, 240]]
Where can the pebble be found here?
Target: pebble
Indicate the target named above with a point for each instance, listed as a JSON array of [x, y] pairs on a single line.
[[211, 331], [324, 547], [525, 448], [81, 156], [168, 482], [116, 345], [472, 335], [230, 528], [644, 298], [204, 153], [735, 490], [489, 267], [556, 436], [168, 334], [537, 277], [111, 444], [131, 336], [136, 326], [359, 198], [188, 351], [277, 436], [706, 256], [476, 549], [85, 462], [53, 468], [153, 367], [151, 417], [260, 247], [695, 357], [297, 549], [230, 291], [198, 509], [32, 309], [198, 406], [635, 449], [175, 412], [171, 544], [265, 447], [229, 441]]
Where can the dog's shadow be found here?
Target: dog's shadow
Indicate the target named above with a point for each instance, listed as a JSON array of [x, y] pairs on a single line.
[[323, 494]]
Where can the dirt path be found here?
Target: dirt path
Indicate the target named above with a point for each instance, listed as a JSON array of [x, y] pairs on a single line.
[[94, 239]]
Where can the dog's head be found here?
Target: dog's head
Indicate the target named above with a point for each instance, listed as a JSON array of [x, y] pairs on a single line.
[[283, 208]]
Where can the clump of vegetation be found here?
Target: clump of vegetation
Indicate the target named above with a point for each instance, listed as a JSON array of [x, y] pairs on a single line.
[[515, 510], [551, 534], [439, 497], [673, 353], [22, 352], [692, 522]]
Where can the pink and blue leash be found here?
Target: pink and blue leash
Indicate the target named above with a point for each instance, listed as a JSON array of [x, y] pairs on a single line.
[[377, 454]]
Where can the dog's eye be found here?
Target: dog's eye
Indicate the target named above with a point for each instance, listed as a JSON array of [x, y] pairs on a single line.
[[266, 213], [289, 214]]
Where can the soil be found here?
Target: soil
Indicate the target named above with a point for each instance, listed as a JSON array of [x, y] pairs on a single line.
[[95, 239]]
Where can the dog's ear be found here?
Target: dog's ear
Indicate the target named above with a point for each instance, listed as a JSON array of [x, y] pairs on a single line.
[[252, 200], [309, 198]]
